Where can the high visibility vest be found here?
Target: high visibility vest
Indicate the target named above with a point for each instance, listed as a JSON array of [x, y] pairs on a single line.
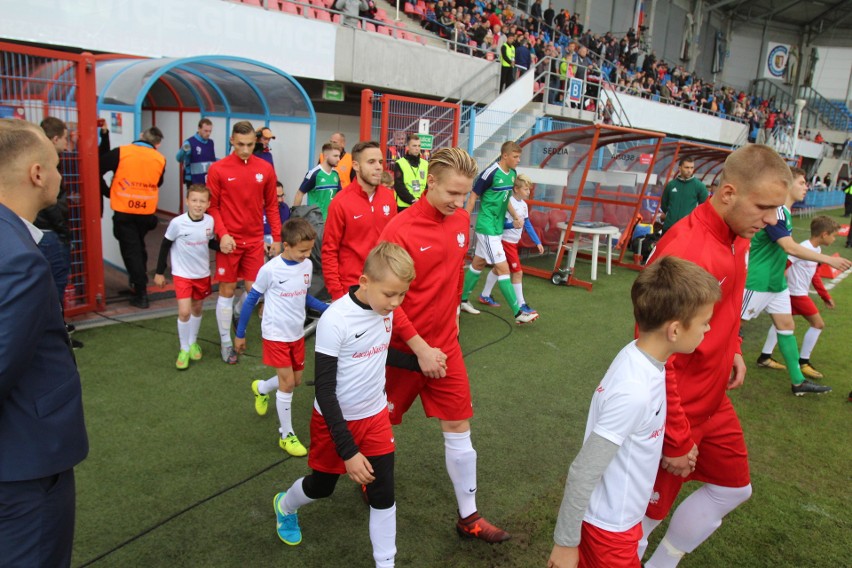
[[414, 178], [510, 54], [134, 186]]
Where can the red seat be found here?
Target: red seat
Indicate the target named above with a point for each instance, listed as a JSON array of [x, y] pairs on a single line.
[[289, 8], [381, 14], [554, 216], [253, 3], [408, 8], [308, 12], [538, 219], [323, 16], [489, 56], [369, 27], [336, 18]]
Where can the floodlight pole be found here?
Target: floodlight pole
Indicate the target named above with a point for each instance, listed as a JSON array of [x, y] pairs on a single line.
[[397, 10], [800, 105]]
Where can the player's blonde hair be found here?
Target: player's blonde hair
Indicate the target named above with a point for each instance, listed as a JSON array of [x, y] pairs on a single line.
[[754, 162], [523, 180], [452, 160], [671, 289], [509, 146], [387, 258], [20, 139], [297, 230]]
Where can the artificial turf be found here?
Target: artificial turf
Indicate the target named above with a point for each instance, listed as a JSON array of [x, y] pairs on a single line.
[[182, 472]]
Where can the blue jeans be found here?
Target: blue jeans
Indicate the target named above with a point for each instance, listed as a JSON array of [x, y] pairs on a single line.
[[58, 254]]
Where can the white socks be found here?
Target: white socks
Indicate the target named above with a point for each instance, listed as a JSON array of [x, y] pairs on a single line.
[[383, 536], [283, 401], [490, 281], [695, 520], [269, 385], [224, 313], [461, 466], [194, 327], [183, 334], [648, 526], [238, 306], [295, 498], [771, 341], [519, 293], [809, 342]]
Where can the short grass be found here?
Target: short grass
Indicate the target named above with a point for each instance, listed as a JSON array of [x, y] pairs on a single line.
[[182, 471]]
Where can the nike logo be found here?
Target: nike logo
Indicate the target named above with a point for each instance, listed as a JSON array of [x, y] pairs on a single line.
[[657, 413], [472, 490], [231, 179], [358, 335], [357, 216], [722, 281], [425, 248], [283, 281]]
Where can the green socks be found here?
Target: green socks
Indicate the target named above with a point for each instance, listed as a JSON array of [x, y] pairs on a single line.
[[790, 351], [505, 283], [471, 277]]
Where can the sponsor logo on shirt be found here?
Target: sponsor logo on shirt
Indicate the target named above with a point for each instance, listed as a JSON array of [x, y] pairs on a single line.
[[600, 388], [374, 350], [657, 433], [293, 293]]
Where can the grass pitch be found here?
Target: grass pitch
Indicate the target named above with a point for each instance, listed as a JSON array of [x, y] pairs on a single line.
[[182, 471]]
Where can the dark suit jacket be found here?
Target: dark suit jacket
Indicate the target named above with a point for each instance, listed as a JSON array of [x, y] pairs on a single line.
[[41, 405]]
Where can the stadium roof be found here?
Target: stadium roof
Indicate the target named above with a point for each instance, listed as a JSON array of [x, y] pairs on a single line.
[[823, 21]]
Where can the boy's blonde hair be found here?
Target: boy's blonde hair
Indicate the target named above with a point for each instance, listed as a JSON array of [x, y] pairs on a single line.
[[297, 230], [389, 257], [823, 224], [671, 289], [523, 179], [387, 179], [198, 188]]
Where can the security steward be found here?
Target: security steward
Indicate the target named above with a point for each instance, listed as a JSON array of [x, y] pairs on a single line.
[[409, 174], [138, 174], [507, 62]]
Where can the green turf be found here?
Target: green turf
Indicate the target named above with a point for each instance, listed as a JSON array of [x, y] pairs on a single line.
[[182, 467]]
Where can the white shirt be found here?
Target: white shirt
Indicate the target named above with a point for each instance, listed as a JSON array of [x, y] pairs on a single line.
[[285, 291], [801, 272], [36, 233], [189, 254], [628, 409], [359, 338], [522, 211]]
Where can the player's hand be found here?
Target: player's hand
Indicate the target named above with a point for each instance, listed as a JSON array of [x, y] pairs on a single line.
[[227, 244], [829, 304], [839, 263], [738, 373], [274, 249], [267, 247], [359, 469], [159, 280], [540, 249], [240, 345], [431, 363], [518, 223], [564, 557], [681, 465]]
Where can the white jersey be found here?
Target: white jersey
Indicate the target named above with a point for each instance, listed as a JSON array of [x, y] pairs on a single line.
[[522, 211], [628, 409], [801, 272], [359, 338], [285, 291], [189, 254]]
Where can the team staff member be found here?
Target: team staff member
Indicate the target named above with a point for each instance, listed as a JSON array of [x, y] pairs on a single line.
[[434, 232], [355, 220], [700, 417], [42, 431], [133, 194], [242, 186], [197, 154], [682, 194], [409, 174]]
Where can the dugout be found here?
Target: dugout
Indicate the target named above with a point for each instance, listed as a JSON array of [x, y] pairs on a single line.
[[590, 176], [174, 93]]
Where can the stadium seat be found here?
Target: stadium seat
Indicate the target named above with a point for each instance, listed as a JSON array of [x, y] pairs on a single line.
[[489, 56], [323, 16], [308, 12], [408, 8], [253, 3], [538, 219], [381, 14], [370, 27], [554, 217], [336, 18], [289, 8]]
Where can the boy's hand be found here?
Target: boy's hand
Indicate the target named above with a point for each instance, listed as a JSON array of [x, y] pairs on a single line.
[[159, 280], [829, 304], [564, 557], [839, 263], [518, 223], [274, 249], [540, 249], [433, 363], [681, 465], [738, 372], [227, 244], [359, 469], [240, 345], [267, 249]]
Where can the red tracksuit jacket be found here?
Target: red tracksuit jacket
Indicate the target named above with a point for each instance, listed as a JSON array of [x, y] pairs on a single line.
[[239, 192]]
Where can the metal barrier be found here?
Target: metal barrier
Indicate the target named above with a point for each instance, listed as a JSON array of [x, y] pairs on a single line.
[[37, 83]]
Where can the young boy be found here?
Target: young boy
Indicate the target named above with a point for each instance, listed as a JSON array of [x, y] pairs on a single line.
[[322, 183], [511, 237], [350, 429], [800, 274], [283, 282], [611, 479], [766, 286], [186, 241]]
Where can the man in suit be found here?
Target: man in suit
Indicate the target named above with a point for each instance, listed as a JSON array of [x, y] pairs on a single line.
[[42, 432]]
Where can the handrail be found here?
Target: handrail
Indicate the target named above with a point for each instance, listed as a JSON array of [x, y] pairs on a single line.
[[832, 116]]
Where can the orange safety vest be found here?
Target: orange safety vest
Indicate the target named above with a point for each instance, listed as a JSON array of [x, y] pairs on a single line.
[[134, 186]]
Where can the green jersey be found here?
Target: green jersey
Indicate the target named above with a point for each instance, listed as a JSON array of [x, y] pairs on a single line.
[[320, 187], [494, 187], [680, 197], [766, 259]]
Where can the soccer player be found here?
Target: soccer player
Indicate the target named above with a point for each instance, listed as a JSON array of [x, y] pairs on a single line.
[[511, 237], [611, 479], [766, 285], [682, 194], [356, 217], [494, 187], [754, 182], [322, 182], [197, 154], [800, 275], [434, 231], [283, 282], [186, 242], [242, 186], [350, 430]]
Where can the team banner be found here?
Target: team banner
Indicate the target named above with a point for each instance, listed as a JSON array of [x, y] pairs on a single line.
[[776, 60]]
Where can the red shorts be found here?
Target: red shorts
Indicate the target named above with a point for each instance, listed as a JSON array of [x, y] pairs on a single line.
[[242, 264], [447, 398], [722, 460], [600, 548], [373, 436], [282, 354], [511, 250], [195, 288], [803, 306]]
